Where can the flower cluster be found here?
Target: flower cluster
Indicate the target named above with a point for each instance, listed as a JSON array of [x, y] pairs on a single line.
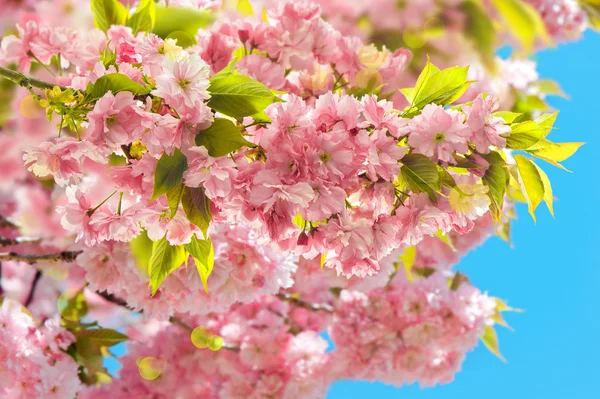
[[32, 358]]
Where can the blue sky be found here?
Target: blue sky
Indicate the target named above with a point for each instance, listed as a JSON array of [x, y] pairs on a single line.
[[553, 271]]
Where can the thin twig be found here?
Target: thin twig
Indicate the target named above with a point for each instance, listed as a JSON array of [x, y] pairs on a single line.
[[1, 290], [113, 299], [306, 305], [64, 256], [6, 222], [34, 283], [5, 242], [26, 81]]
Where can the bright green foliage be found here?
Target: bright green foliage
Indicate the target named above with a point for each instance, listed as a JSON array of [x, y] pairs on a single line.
[[72, 307], [103, 336], [169, 172], [421, 175], [524, 135], [203, 253], [523, 21], [238, 95], [490, 340], [496, 179], [554, 152], [532, 184], [408, 260], [141, 248], [184, 39], [165, 260], [592, 8], [197, 207], [107, 13], [441, 87], [480, 29], [221, 138], [174, 198], [144, 18], [114, 82], [172, 19]]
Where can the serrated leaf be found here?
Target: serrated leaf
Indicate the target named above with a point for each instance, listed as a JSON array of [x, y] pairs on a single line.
[[144, 18], [141, 248], [174, 198], [238, 96], [531, 182], [107, 13], [169, 172], [197, 207], [554, 152], [102, 336], [490, 340], [203, 253], [222, 138], [524, 135], [421, 175], [187, 19], [496, 179], [115, 83], [165, 260]]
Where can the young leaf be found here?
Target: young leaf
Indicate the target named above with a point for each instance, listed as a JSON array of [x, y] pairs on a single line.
[[144, 18], [165, 260], [221, 138], [531, 182], [509, 117], [174, 198], [408, 260], [184, 40], [169, 172], [421, 175], [114, 82], [548, 196], [171, 19], [107, 13], [496, 179], [197, 207], [204, 257], [481, 30], [546, 122], [238, 96], [490, 340], [524, 135], [141, 248], [103, 336], [244, 7], [523, 20], [554, 152]]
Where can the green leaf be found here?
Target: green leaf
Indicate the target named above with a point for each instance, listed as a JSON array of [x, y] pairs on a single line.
[[197, 207], [222, 138], [438, 87], [169, 172], [184, 40], [480, 29], [408, 258], [244, 7], [141, 248], [421, 175], [554, 152], [524, 135], [548, 196], [546, 122], [103, 336], [549, 88], [509, 117], [238, 96], [165, 260], [174, 198], [114, 82], [189, 20], [107, 13], [144, 18], [496, 178], [204, 257], [490, 340], [524, 22], [72, 307], [531, 183]]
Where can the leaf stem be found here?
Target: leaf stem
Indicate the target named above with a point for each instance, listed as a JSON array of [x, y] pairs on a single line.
[[91, 211], [26, 81]]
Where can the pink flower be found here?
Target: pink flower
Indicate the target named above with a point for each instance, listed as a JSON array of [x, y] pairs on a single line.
[[438, 133], [384, 155], [487, 130], [110, 226], [75, 218], [214, 174], [268, 189], [113, 121], [183, 84]]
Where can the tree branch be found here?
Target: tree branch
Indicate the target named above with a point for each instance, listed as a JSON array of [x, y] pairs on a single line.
[[34, 283], [6, 222], [1, 290], [5, 242], [306, 305], [64, 256], [26, 81]]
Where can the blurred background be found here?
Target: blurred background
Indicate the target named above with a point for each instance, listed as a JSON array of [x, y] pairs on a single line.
[[553, 271]]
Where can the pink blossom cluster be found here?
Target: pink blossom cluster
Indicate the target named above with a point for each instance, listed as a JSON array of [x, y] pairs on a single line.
[[564, 19], [262, 358], [33, 362], [408, 332], [244, 270]]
